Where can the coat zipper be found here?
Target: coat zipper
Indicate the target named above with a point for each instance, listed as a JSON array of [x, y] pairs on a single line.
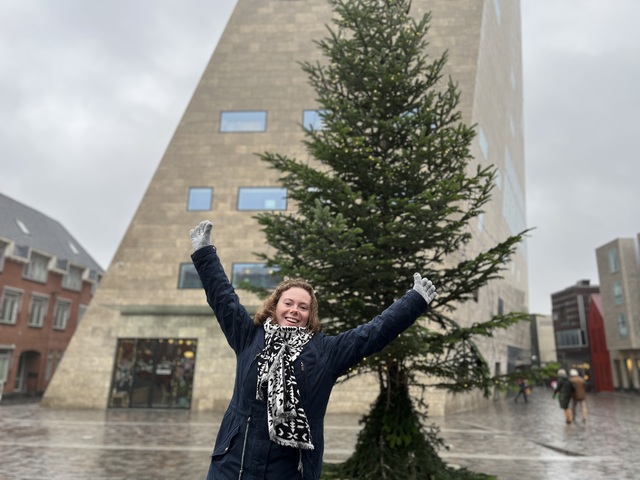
[[244, 447]]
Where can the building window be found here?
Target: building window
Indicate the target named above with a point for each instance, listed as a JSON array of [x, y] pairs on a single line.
[[73, 248], [3, 253], [496, 6], [622, 325], [568, 338], [49, 368], [613, 260], [73, 279], [256, 275], [153, 373], [21, 251], [189, 277], [313, 119], [617, 293], [23, 228], [10, 306], [37, 310], [483, 143], [5, 358], [250, 121], [38, 268], [199, 199], [61, 314], [500, 306], [262, 198]]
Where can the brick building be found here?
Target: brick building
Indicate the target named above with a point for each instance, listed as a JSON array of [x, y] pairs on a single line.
[[46, 283], [619, 273]]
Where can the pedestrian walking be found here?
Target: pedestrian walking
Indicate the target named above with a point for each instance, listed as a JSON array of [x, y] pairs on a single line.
[[564, 391], [579, 395], [523, 389], [285, 369]]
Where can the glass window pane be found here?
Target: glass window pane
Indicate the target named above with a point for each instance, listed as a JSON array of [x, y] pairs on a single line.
[[61, 315], [189, 277], [617, 292], [3, 248], [10, 306], [613, 260], [5, 358], [262, 199], [37, 268], [200, 198], [73, 279], [256, 275], [252, 121], [37, 311], [312, 119], [622, 325]]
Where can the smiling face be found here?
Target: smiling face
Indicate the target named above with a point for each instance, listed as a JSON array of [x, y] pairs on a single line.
[[292, 309]]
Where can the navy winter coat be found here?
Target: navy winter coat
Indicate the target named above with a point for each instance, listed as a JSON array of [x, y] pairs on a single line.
[[243, 448]]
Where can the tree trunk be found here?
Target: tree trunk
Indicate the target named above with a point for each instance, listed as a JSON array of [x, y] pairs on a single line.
[[392, 444]]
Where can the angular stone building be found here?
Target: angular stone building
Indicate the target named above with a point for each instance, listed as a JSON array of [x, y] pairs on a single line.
[[149, 339], [619, 274]]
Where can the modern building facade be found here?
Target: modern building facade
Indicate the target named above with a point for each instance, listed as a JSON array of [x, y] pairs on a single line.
[[600, 359], [570, 311], [149, 339], [543, 341], [46, 283], [619, 274]]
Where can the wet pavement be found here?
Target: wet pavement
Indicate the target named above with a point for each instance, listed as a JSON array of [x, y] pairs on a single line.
[[509, 440]]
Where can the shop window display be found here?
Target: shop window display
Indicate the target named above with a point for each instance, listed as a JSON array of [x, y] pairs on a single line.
[[153, 373]]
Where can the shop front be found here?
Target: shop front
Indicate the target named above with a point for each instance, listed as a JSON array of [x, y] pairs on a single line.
[[153, 373]]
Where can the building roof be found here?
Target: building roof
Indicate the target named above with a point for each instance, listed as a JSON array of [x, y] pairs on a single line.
[[28, 227]]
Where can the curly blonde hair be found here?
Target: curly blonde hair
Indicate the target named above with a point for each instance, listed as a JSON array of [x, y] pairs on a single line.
[[268, 308]]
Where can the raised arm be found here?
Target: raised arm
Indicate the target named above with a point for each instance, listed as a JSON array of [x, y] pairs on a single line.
[[350, 347], [234, 320]]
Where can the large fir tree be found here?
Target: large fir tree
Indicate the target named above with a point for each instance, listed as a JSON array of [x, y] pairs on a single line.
[[390, 191]]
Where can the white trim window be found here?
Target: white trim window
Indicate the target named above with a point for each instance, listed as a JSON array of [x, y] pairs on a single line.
[[3, 254], [73, 278], [61, 314], [10, 306], [49, 369], [38, 268], [5, 360], [38, 310]]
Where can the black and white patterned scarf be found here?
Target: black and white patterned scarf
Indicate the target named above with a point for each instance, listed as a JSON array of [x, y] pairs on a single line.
[[287, 420]]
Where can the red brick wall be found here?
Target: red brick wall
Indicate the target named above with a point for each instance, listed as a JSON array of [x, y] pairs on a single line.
[[37, 339]]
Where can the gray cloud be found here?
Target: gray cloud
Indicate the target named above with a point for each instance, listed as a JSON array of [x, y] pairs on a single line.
[[581, 72]]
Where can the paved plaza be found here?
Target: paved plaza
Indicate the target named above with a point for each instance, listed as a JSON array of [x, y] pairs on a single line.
[[509, 440]]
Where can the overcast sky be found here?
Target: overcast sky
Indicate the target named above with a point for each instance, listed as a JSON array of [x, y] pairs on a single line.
[[89, 90]]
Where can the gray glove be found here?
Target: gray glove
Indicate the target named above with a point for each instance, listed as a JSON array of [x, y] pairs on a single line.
[[424, 287], [201, 235]]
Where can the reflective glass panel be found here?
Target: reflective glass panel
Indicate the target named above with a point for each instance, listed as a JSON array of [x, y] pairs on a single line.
[[312, 119], [253, 121], [189, 277], [256, 275], [200, 198], [262, 199]]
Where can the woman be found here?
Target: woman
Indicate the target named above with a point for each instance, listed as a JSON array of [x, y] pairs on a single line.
[[286, 369], [564, 391]]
